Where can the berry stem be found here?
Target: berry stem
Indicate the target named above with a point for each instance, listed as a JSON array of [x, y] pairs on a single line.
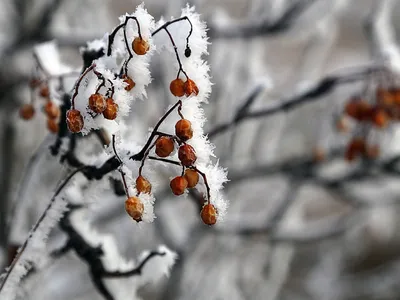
[[205, 182], [144, 157], [120, 166], [176, 54], [78, 83]]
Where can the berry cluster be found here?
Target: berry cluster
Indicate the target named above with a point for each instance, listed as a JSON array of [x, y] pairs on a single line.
[[376, 111], [52, 110]]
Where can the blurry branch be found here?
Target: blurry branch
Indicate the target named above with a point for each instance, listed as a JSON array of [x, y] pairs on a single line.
[[323, 87], [381, 35], [261, 27]]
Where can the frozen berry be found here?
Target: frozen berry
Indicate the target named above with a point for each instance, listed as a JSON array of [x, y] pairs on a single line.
[[143, 185], [111, 110], [177, 87], [97, 103], [190, 87], [130, 84], [164, 146], [74, 120], [140, 46], [135, 208], [209, 214], [187, 155], [183, 129], [192, 178], [178, 185]]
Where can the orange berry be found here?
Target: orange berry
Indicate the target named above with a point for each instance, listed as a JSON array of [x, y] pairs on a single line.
[[183, 130], [74, 120], [190, 87], [395, 92], [52, 110], [177, 87], [143, 185], [209, 214], [192, 178], [372, 151], [27, 111], [164, 146], [130, 83], [52, 125], [111, 110], [44, 91], [380, 118], [140, 46], [135, 208], [358, 109], [355, 148], [187, 155], [178, 185], [97, 103]]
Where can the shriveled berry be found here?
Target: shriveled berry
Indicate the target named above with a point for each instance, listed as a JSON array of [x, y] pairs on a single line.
[[52, 110], [143, 185], [380, 118], [355, 148], [135, 208], [209, 214], [188, 51], [178, 185], [52, 125], [190, 87], [177, 87], [164, 146], [183, 129], [130, 83], [111, 110], [27, 111], [74, 120], [44, 91], [140, 46], [97, 103], [187, 155], [192, 177]]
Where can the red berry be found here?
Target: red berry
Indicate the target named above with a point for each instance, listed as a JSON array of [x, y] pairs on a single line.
[[178, 185], [44, 91], [111, 110], [191, 88], [183, 130], [52, 110], [52, 125], [187, 155], [27, 111], [130, 83], [177, 87], [97, 103], [164, 146], [209, 214], [74, 120], [192, 178]]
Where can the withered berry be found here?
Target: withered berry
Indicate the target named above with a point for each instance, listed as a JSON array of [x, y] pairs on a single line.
[[130, 83], [52, 125], [44, 91], [27, 111], [135, 208], [209, 214], [187, 155], [183, 129], [111, 110], [74, 120], [52, 110], [143, 185], [177, 87], [97, 103], [190, 87], [140, 46], [192, 178], [164, 146], [178, 185]]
